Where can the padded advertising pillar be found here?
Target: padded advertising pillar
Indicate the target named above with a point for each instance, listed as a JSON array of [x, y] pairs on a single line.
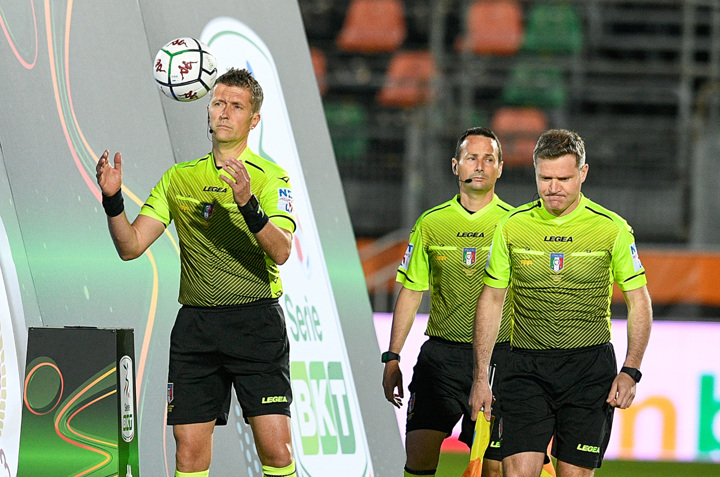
[[79, 409]]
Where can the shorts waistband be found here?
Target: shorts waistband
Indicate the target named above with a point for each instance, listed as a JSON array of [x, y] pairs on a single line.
[[450, 343], [561, 351], [261, 303], [502, 345]]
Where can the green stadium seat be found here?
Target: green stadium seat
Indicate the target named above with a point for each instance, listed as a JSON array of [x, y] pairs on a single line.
[[553, 28], [534, 84], [347, 121]]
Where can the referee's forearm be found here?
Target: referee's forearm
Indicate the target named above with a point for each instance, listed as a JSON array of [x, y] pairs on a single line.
[[639, 325], [487, 324]]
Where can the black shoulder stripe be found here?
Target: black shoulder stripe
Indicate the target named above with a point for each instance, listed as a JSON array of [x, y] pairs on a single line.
[[437, 209], [634, 276], [255, 166], [199, 161], [503, 208], [529, 209], [486, 273], [598, 213]]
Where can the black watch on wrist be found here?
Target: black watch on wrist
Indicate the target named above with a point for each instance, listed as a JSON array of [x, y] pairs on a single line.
[[632, 372], [389, 356]]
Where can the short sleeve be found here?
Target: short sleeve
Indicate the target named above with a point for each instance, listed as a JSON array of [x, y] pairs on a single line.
[[414, 271], [628, 271], [156, 205], [497, 267], [276, 199]]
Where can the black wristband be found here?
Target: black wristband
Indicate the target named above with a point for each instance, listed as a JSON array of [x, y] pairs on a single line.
[[632, 372], [254, 216], [389, 356], [114, 204]]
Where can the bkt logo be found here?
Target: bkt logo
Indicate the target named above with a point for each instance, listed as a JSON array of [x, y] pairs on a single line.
[[322, 408]]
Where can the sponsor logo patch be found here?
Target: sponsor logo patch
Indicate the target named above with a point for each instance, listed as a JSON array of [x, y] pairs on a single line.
[[170, 392], [635, 257], [285, 200], [406, 258]]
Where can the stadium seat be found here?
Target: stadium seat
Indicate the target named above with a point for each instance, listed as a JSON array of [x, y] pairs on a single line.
[[518, 130], [319, 62], [553, 28], [373, 26], [535, 84], [408, 81], [347, 122], [494, 28]]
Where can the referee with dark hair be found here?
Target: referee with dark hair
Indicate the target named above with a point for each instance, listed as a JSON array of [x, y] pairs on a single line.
[[446, 253]]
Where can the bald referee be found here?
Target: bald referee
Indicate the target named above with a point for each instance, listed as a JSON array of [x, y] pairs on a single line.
[[233, 214], [559, 256]]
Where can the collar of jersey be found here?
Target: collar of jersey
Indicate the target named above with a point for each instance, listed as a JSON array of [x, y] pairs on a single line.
[[545, 215], [478, 213], [243, 157]]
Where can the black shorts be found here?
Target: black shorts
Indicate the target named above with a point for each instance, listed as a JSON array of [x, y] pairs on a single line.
[[497, 367], [215, 348], [440, 388], [558, 393]]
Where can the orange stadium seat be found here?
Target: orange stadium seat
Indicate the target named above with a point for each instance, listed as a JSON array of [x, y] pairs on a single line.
[[494, 27], [518, 130], [373, 26], [408, 81]]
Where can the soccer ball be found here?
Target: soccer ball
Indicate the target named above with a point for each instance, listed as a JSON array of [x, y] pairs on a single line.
[[185, 69]]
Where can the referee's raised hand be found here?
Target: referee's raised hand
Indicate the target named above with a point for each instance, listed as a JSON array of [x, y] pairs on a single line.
[[109, 178]]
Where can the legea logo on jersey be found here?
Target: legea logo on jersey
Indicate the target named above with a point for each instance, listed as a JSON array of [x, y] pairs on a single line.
[[557, 261], [322, 408]]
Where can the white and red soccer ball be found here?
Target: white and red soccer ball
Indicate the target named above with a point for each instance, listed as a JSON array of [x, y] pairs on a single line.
[[185, 69]]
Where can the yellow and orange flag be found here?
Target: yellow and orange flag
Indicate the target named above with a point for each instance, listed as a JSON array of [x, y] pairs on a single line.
[[481, 440]]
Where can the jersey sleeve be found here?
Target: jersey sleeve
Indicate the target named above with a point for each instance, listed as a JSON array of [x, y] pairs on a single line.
[[497, 267], [628, 271], [157, 206], [276, 200], [414, 270]]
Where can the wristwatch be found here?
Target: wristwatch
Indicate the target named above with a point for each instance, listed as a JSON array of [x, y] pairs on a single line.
[[632, 372], [389, 356]]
